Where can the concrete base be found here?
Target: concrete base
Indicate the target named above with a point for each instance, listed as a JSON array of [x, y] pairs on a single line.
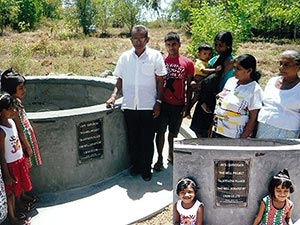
[[131, 198], [75, 152], [196, 157]]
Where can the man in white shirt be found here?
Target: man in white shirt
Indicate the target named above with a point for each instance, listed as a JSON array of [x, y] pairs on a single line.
[[140, 74]]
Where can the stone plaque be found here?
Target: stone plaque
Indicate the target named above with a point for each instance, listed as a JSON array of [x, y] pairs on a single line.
[[232, 182], [90, 139]]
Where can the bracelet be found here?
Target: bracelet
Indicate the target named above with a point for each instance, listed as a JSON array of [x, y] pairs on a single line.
[[159, 101]]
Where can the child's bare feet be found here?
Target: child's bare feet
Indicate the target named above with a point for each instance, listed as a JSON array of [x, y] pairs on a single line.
[[16, 221], [23, 216], [28, 198], [189, 116], [170, 158], [205, 108], [25, 206]]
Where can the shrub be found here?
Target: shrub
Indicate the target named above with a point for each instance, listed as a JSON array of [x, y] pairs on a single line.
[[209, 20]]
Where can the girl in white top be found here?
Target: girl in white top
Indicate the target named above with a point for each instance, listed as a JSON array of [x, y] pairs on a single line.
[[188, 210], [280, 114], [238, 103], [14, 168]]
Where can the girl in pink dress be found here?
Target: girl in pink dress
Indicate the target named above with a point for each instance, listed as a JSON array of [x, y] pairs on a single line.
[[14, 84]]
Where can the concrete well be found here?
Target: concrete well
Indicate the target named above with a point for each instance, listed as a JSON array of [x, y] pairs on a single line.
[[81, 141], [233, 174]]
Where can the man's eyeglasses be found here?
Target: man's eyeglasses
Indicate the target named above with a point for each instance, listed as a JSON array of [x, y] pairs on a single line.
[[138, 39], [287, 65]]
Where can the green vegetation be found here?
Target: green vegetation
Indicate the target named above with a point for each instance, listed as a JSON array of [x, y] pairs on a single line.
[[244, 18], [40, 37]]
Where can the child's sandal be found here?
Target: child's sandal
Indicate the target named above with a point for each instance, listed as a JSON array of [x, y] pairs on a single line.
[[23, 216], [35, 199], [29, 207]]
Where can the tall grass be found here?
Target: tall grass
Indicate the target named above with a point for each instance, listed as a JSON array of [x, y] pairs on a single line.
[[267, 55], [45, 52]]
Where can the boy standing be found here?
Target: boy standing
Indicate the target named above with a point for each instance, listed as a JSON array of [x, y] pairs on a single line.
[[176, 96]]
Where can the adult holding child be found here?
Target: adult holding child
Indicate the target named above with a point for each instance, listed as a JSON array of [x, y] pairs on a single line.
[[280, 115], [140, 74], [213, 84], [239, 102]]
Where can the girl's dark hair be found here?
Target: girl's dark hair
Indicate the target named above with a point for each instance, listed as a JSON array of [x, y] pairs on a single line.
[[225, 37], [248, 61], [183, 183], [10, 80], [6, 101], [281, 178]]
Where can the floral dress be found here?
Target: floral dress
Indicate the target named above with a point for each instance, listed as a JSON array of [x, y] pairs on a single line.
[[274, 216], [35, 159]]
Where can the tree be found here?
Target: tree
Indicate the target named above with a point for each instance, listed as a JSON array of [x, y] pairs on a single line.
[[103, 17], [151, 4], [9, 10], [86, 12], [283, 17], [265, 18], [126, 12], [30, 13], [51, 8], [181, 10], [207, 20]]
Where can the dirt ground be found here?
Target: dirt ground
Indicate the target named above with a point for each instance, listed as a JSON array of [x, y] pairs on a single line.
[[163, 218]]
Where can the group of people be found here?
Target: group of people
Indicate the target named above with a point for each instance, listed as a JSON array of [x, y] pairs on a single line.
[[19, 152], [275, 208], [231, 103], [156, 93], [159, 92]]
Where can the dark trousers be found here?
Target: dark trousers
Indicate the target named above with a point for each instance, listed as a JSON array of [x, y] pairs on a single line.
[[140, 133]]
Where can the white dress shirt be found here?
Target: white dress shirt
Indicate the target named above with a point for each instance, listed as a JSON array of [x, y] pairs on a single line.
[[138, 78]]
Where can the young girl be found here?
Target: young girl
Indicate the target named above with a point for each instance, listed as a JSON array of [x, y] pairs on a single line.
[[276, 208], [14, 168], [213, 84], [238, 104], [188, 210], [14, 84]]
